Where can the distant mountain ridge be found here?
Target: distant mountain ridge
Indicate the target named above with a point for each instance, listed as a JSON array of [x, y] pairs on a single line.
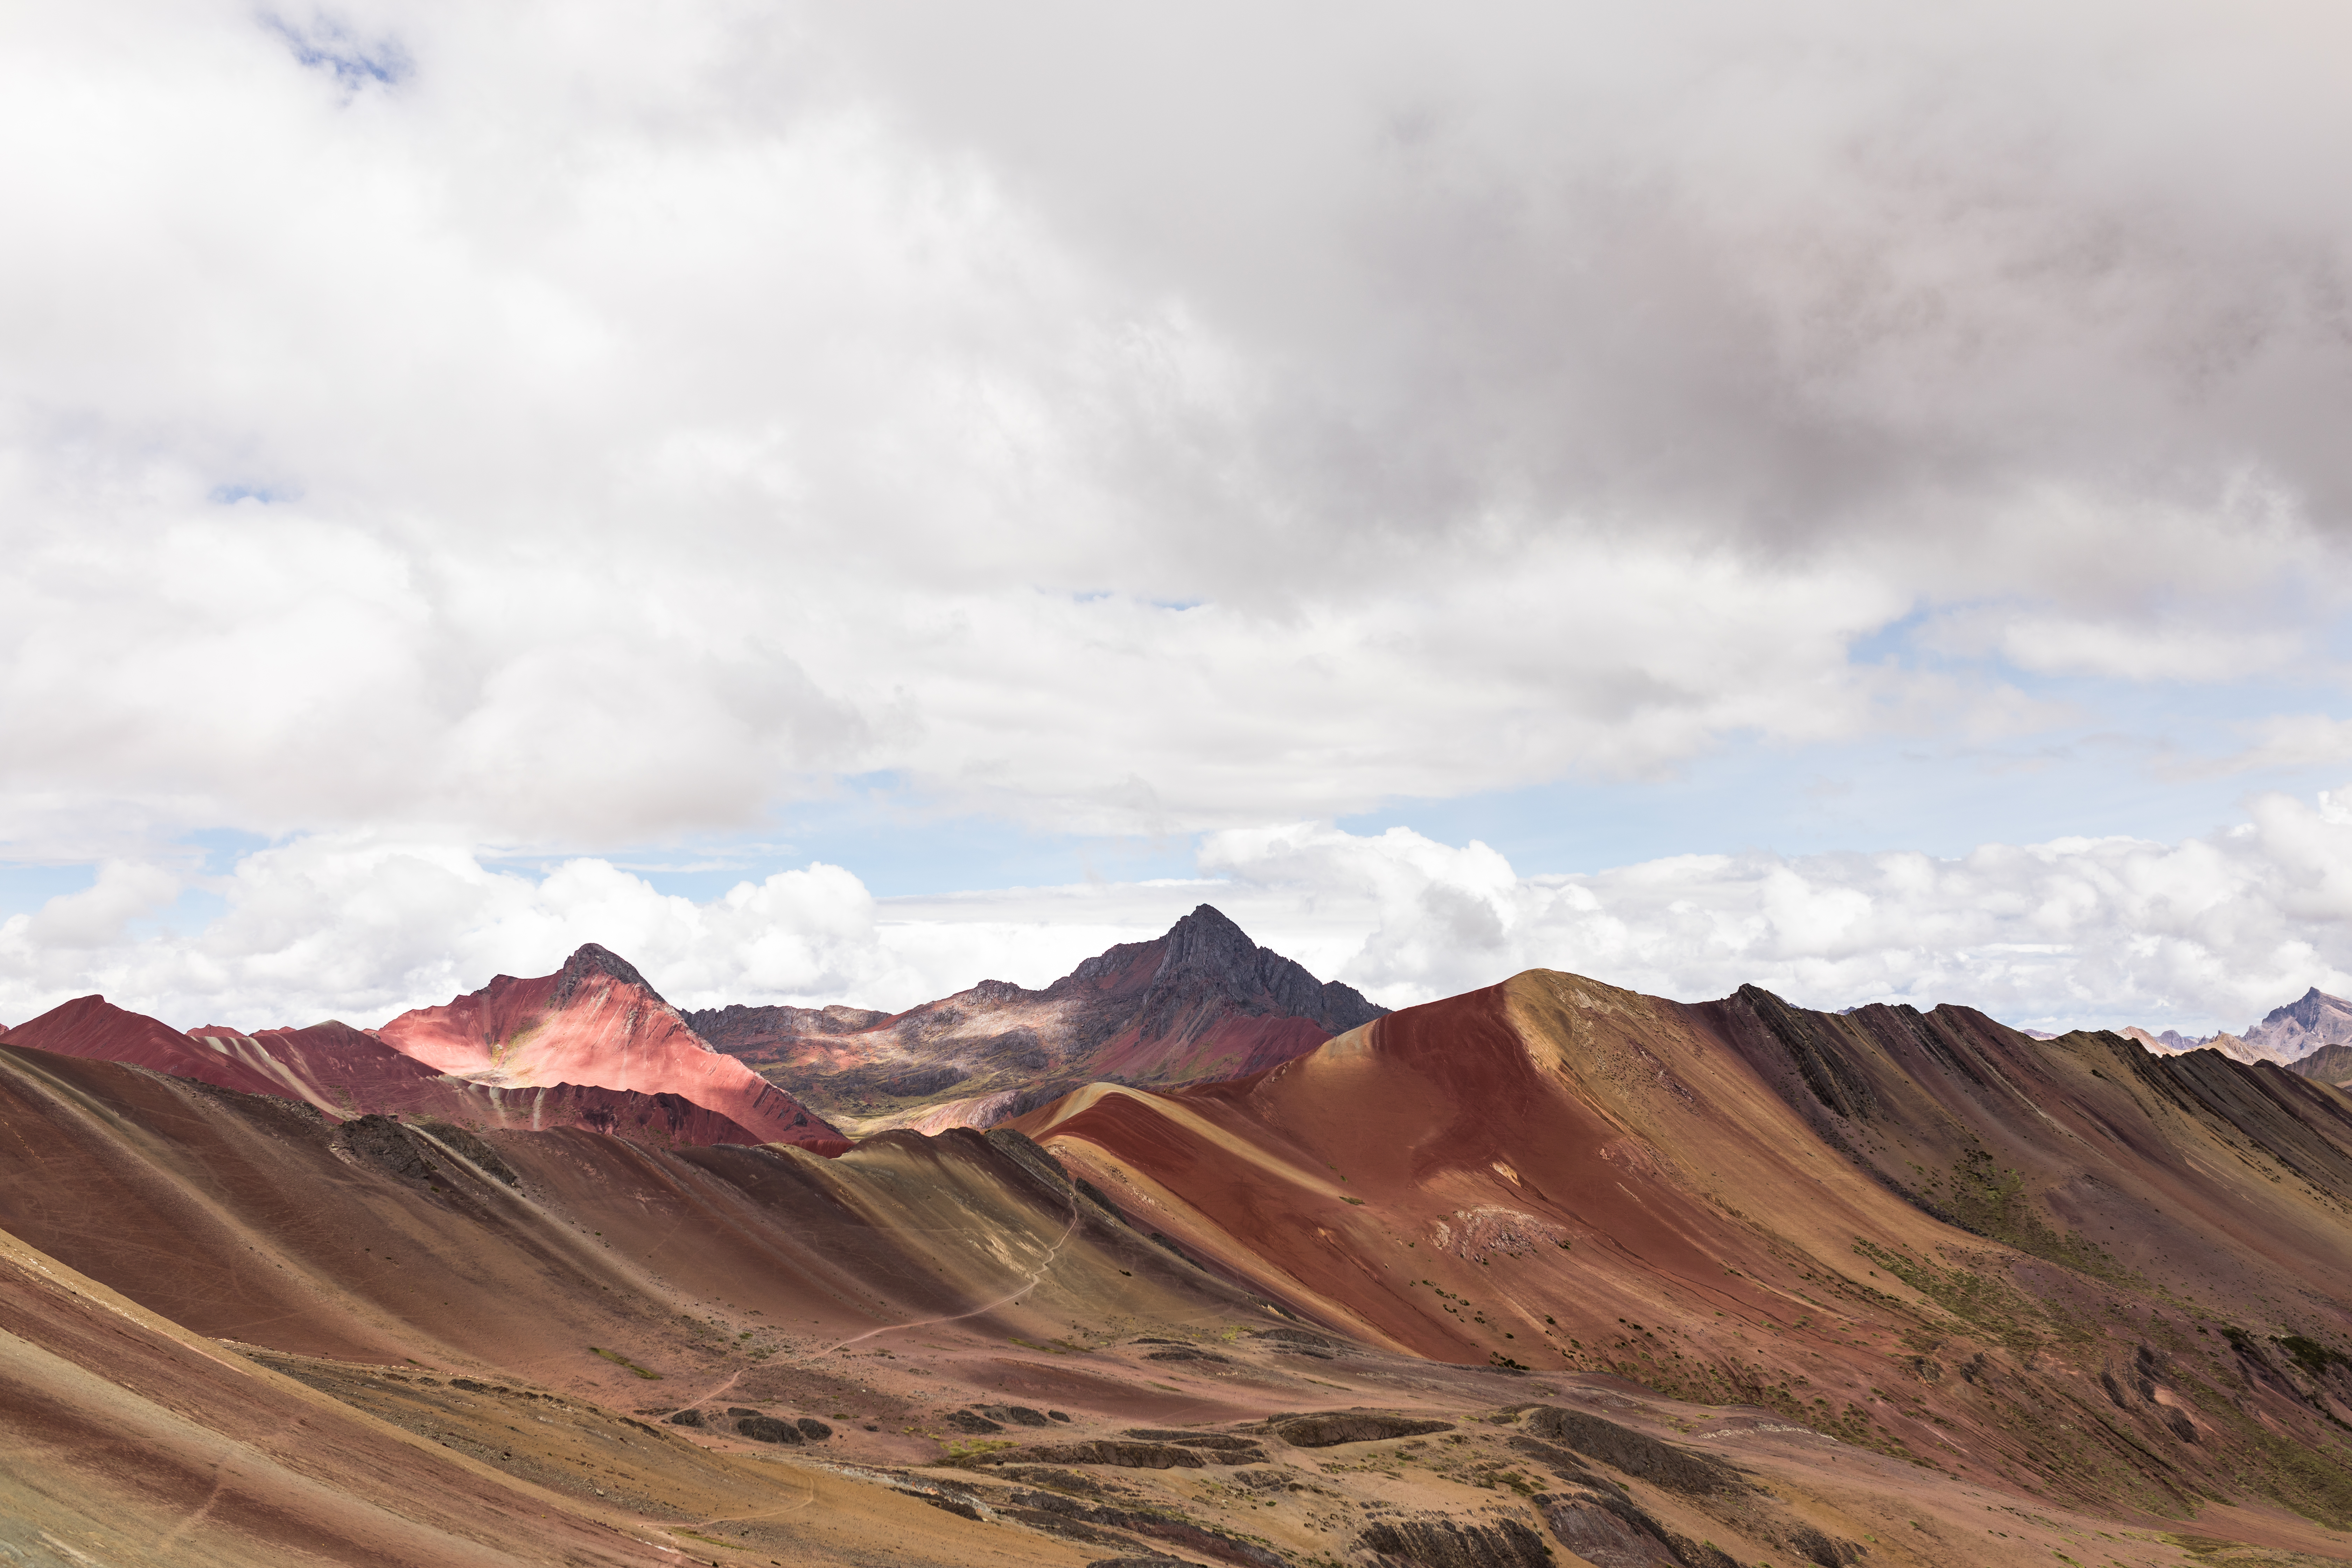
[[1201, 1001], [347, 1072], [594, 1045], [2285, 1036], [2302, 1026]]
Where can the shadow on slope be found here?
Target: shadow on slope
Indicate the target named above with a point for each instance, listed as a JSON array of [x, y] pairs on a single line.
[[2114, 1279]]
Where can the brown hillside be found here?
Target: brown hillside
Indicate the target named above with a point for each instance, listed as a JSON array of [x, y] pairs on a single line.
[[2065, 1263]]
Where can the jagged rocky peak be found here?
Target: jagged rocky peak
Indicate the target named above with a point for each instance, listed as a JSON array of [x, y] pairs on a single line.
[[2315, 1013], [1206, 948], [2312, 1020], [1208, 938], [589, 958]]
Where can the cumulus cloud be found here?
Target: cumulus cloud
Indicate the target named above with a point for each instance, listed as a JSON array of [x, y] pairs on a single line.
[[568, 426], [362, 927], [2204, 933]]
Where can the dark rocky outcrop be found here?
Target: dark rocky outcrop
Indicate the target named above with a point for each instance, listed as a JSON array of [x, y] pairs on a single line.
[[768, 1429], [1662, 1465], [1018, 1415], [1044, 1509], [1450, 1543], [1115, 1451], [476, 1151], [590, 958], [383, 1143], [1330, 1429]]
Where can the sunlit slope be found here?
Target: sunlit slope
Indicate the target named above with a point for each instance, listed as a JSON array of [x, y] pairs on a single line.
[[134, 1443], [258, 1219], [347, 1072], [1556, 1172], [596, 1021]]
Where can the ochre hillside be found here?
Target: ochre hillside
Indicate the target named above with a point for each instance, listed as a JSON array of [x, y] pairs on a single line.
[[1543, 1274], [1927, 1235]]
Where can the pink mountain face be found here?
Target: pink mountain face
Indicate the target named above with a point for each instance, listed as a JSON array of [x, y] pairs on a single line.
[[596, 1021], [346, 1072]]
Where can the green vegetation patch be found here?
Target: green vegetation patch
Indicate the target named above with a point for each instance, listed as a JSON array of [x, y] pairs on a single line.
[[964, 1450], [617, 1359], [1990, 1201], [2310, 1355]]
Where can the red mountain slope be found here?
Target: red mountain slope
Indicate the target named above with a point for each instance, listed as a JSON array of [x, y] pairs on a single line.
[[135, 1441], [1924, 1234], [346, 1072], [595, 1021], [1775, 1307], [254, 1218], [94, 1027]]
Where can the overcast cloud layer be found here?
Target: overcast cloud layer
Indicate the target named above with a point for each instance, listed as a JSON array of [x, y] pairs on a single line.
[[431, 436]]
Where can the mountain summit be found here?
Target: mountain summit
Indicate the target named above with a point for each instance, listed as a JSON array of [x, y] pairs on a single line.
[[1201, 1001], [1208, 970], [2302, 1026], [595, 1021]]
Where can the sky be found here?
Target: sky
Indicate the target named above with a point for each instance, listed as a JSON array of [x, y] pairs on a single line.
[[836, 502]]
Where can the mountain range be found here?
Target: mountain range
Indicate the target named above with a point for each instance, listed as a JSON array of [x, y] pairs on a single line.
[[591, 1046], [2287, 1036], [1201, 1003], [1550, 1272]]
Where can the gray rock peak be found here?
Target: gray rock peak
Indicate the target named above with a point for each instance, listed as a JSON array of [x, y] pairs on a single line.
[[2313, 1010], [1206, 952], [591, 959]]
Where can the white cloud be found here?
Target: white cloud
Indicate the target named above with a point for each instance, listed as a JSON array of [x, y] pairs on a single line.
[[644, 415], [2207, 932], [99, 916]]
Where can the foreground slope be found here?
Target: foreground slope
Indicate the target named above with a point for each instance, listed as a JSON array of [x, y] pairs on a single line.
[[2118, 1280], [946, 1349], [259, 1219], [1204, 1002], [136, 1444]]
